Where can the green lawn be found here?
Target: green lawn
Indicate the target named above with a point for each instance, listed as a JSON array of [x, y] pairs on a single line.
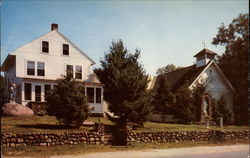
[[154, 127], [40, 124], [50, 124]]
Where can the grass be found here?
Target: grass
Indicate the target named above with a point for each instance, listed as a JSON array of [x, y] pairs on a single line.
[[101, 120], [41, 124], [49, 124], [154, 127], [81, 149]]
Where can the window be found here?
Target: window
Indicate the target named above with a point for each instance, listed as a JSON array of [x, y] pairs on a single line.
[[78, 74], [30, 68], [90, 94], [201, 57], [98, 95], [40, 68], [70, 70], [45, 47], [65, 49], [27, 91], [37, 93], [47, 88]]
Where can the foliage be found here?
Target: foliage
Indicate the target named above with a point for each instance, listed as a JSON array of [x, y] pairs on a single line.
[[163, 98], [3, 98], [67, 101], [125, 84], [221, 109], [234, 61], [184, 108], [168, 68]]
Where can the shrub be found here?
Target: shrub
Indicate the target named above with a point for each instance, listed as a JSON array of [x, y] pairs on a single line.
[[67, 101], [221, 109]]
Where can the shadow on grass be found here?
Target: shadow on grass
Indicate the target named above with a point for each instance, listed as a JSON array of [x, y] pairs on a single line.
[[49, 126]]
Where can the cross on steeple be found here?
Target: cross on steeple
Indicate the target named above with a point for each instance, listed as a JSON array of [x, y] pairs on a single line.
[[204, 44]]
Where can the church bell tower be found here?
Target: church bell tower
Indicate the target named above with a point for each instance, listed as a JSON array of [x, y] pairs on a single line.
[[204, 56]]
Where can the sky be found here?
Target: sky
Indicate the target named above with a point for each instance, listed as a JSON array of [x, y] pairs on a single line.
[[165, 31]]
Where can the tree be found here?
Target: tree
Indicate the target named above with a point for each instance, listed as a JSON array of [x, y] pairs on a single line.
[[163, 98], [3, 97], [168, 68], [234, 61], [67, 101], [221, 109], [125, 84], [185, 110]]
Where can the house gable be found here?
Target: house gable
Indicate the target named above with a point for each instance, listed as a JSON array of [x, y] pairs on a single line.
[[55, 61], [56, 41]]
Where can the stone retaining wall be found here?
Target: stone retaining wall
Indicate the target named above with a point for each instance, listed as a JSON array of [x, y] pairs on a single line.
[[194, 136], [48, 139]]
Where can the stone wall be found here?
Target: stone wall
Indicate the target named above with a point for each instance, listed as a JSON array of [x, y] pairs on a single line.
[[194, 136], [49, 139]]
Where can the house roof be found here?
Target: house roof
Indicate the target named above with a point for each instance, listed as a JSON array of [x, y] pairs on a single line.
[[181, 77], [7, 62], [11, 55], [205, 51], [72, 44]]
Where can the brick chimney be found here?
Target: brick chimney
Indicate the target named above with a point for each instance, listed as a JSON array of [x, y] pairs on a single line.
[[54, 26]]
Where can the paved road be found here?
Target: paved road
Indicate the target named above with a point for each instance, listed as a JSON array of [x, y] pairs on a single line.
[[232, 151]]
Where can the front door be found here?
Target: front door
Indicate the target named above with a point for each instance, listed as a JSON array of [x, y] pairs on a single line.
[[37, 93]]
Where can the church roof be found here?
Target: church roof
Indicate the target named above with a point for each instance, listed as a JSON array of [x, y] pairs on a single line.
[[205, 51], [181, 77], [187, 76]]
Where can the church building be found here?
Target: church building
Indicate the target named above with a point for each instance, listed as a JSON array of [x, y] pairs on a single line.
[[205, 71]]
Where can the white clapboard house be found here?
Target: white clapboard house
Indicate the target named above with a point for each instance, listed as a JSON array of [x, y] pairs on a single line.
[[206, 71], [35, 67]]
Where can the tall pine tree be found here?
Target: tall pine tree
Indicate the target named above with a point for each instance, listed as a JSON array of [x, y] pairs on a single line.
[[125, 84], [185, 110], [163, 98]]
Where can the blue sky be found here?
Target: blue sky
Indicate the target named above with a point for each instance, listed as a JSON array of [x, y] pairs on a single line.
[[165, 31]]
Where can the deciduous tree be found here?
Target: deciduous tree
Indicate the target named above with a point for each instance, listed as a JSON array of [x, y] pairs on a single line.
[[234, 62], [168, 68]]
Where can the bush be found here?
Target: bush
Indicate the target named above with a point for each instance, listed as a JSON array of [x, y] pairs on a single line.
[[221, 109], [67, 101]]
